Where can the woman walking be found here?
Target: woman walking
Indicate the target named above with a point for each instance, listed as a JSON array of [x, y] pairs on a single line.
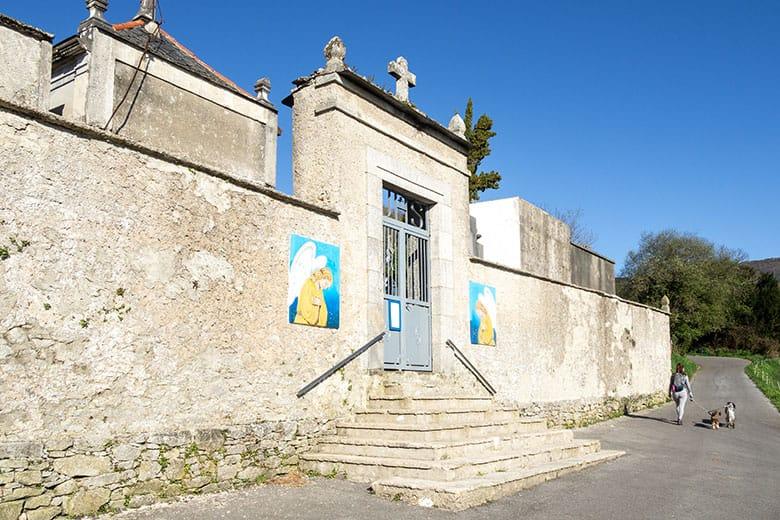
[[680, 390]]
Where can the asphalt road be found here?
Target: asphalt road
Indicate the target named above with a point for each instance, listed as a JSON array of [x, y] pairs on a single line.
[[669, 472]]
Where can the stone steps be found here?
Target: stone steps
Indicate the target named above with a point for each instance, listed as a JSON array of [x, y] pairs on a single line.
[[462, 494], [456, 417], [362, 468], [440, 432], [423, 440], [441, 450], [436, 403]]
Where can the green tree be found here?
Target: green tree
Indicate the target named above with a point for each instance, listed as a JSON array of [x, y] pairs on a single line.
[[766, 306], [709, 288], [479, 136]]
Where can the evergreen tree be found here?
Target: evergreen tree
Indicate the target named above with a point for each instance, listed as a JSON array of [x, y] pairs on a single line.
[[479, 136]]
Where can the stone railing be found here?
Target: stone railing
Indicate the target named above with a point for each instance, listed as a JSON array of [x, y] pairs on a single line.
[[71, 478]]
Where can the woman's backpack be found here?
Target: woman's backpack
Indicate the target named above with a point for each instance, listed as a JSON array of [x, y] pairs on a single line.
[[678, 381]]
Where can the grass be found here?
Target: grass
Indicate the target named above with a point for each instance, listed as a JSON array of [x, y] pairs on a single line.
[[690, 366], [763, 371]]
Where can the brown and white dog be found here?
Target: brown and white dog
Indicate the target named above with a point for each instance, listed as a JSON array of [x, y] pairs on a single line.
[[715, 419], [731, 415]]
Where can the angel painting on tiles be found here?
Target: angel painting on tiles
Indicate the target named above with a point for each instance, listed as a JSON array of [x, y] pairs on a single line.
[[313, 290]]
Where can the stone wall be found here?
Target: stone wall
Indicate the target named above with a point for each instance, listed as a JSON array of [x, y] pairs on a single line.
[[217, 137], [84, 476], [138, 294], [591, 270], [579, 412], [25, 64], [560, 343]]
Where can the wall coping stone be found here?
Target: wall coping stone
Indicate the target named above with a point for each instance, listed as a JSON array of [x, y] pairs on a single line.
[[386, 101], [84, 130], [501, 267], [28, 30], [592, 252]]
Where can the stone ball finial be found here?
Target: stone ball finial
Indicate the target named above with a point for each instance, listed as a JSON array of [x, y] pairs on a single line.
[[335, 51], [665, 304], [96, 8], [263, 88], [457, 125]]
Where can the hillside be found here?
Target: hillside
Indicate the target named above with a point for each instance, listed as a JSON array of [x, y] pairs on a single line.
[[767, 265]]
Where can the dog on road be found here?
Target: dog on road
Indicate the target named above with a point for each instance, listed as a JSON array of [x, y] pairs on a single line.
[[715, 419], [731, 415]]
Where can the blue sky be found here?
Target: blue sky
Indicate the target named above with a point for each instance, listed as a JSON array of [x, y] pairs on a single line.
[[646, 115]]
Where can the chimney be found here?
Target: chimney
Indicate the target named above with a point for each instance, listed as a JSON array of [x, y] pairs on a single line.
[[146, 11]]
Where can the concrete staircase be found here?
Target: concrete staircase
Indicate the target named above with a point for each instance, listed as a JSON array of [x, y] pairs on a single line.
[[453, 452]]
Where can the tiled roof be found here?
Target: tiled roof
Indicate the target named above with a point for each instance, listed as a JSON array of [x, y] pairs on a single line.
[[165, 46]]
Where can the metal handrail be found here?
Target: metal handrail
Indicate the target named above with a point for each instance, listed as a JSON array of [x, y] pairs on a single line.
[[341, 364], [471, 368]]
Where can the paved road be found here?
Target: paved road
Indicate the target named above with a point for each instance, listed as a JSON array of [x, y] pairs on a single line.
[[670, 471]]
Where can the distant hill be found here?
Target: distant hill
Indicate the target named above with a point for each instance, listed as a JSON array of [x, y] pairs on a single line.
[[767, 265]]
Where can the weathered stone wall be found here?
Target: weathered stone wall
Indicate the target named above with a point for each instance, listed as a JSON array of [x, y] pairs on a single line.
[[140, 295], [558, 343], [83, 476], [582, 412], [170, 117], [25, 64], [591, 270]]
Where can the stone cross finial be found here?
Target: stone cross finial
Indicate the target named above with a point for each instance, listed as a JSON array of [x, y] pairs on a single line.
[[263, 88], [335, 51], [146, 11], [96, 8], [665, 304], [457, 126], [404, 80]]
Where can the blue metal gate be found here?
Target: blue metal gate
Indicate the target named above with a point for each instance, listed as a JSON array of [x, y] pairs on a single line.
[[407, 344]]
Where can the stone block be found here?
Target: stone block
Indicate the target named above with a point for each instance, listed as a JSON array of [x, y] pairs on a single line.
[[175, 470], [102, 480], [148, 469], [232, 459], [209, 440], [39, 501], [176, 439], [86, 502], [66, 488], [13, 463], [82, 465], [250, 474], [29, 478], [10, 510], [21, 450], [125, 452], [228, 472], [60, 444], [196, 482], [24, 492], [210, 488], [141, 500], [44, 513], [144, 488]]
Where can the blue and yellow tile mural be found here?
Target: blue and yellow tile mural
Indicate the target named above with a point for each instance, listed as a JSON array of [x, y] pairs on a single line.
[[313, 293], [482, 305]]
